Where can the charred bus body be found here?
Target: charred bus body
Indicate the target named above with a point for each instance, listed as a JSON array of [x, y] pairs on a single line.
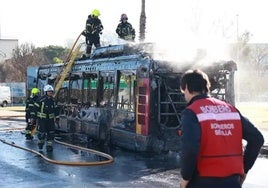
[[121, 95]]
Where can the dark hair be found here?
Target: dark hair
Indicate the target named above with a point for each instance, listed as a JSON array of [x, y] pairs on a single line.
[[196, 81]]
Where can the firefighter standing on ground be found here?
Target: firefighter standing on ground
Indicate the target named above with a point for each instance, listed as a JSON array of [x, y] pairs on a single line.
[[212, 133], [30, 114], [124, 29], [46, 112], [93, 30]]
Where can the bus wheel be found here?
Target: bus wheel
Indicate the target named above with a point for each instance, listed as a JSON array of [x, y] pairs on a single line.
[[4, 104]]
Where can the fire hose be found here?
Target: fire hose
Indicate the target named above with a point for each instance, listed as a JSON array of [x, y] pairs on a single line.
[[109, 158]]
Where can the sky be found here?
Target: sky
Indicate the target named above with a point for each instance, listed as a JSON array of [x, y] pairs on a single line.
[[170, 23]]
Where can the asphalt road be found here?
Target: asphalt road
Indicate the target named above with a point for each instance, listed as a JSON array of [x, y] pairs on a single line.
[[19, 168]]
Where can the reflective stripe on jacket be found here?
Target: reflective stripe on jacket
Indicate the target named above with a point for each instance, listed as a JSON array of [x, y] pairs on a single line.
[[220, 153], [46, 108], [93, 26], [125, 31], [29, 109]]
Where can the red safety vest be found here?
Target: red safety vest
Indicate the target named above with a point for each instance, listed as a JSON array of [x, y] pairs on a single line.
[[221, 152]]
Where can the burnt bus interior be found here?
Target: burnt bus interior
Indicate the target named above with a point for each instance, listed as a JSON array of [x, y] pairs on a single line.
[[128, 100]]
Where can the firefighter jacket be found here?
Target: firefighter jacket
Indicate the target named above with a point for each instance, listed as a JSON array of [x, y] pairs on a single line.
[[46, 108], [94, 27], [221, 138], [193, 141], [125, 31], [29, 108]]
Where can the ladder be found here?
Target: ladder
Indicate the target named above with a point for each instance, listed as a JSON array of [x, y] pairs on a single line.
[[168, 107], [67, 66]]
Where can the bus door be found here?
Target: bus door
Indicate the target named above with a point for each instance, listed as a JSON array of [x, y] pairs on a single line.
[[124, 114]]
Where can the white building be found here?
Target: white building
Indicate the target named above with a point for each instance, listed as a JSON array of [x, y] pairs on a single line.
[[6, 48]]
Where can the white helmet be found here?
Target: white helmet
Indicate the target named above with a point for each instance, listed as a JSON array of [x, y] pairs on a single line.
[[48, 88]]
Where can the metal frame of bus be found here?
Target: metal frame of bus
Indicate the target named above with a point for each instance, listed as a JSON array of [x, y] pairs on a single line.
[[147, 118]]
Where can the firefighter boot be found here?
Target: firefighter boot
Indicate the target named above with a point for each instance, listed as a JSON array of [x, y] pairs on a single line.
[[28, 135], [28, 132], [49, 146], [41, 138], [40, 145]]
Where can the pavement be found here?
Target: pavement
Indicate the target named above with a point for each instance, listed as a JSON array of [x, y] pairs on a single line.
[[12, 119], [12, 114]]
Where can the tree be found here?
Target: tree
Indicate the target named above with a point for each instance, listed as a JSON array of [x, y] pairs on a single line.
[[23, 56], [14, 69], [240, 51], [54, 54], [251, 59], [3, 72], [259, 54]]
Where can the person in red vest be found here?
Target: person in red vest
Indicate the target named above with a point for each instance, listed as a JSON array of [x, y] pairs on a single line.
[[212, 154]]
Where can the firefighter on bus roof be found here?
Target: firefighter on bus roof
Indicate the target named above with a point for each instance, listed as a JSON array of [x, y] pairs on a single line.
[[93, 30], [124, 29], [29, 113], [46, 112]]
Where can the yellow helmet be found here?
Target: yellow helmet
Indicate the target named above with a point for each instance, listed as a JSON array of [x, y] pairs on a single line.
[[96, 13], [35, 91]]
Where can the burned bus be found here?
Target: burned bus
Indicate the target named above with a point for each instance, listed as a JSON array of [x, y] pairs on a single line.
[[123, 96]]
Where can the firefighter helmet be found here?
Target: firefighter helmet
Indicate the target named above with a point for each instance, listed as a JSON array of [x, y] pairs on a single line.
[[96, 12], [48, 88], [123, 16], [35, 91]]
